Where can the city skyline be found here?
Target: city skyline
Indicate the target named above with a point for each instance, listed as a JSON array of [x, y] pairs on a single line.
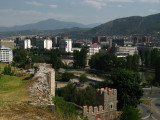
[[20, 12]]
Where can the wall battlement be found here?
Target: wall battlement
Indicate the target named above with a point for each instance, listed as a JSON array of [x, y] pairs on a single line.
[[106, 100], [93, 110], [107, 91]]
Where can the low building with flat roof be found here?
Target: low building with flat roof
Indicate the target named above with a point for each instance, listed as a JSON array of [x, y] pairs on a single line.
[[7, 43]]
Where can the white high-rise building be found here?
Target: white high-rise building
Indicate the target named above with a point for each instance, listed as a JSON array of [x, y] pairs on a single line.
[[6, 54], [66, 45], [125, 51], [44, 44], [25, 44], [93, 49]]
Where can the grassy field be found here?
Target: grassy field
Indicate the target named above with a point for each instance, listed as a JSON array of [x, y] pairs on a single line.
[[14, 102], [2, 65], [12, 89]]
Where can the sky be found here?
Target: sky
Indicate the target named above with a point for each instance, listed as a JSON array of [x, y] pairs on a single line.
[[20, 12]]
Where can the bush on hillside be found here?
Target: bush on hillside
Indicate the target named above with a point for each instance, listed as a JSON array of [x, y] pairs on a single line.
[[63, 108]]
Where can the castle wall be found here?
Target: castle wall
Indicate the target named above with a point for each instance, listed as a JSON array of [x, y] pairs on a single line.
[[107, 101], [43, 87]]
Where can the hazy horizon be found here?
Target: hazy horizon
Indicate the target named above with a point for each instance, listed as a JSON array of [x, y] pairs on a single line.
[[21, 12]]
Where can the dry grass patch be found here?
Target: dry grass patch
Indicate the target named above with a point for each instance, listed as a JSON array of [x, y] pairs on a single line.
[[12, 90], [24, 111]]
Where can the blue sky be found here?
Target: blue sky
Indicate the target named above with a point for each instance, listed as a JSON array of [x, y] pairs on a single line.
[[19, 12]]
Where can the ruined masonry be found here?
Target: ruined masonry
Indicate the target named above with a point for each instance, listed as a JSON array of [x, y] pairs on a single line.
[[106, 100], [43, 86]]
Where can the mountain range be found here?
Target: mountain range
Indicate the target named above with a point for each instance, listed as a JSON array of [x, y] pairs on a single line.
[[50, 24], [128, 25], [121, 26]]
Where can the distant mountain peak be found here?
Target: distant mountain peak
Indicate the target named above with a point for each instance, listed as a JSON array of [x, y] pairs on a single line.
[[49, 24]]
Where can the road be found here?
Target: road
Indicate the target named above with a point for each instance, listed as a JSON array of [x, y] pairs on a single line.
[[155, 104], [95, 79], [146, 111]]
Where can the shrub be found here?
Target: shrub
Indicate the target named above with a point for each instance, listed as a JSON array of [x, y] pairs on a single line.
[[63, 108], [8, 71], [67, 76]]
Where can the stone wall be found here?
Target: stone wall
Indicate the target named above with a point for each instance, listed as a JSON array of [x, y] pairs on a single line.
[[43, 87], [106, 99]]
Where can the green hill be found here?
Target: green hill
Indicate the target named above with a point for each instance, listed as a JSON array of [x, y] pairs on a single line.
[[129, 25]]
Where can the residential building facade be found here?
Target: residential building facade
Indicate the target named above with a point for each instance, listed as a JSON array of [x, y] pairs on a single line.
[[44, 44], [66, 45], [25, 44], [93, 49], [6, 54], [98, 39], [125, 51]]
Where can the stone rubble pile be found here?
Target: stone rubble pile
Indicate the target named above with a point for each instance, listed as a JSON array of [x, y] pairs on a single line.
[[43, 88]]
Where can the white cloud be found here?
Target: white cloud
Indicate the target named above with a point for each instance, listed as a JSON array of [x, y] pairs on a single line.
[[152, 10], [53, 6], [95, 3], [34, 3], [129, 1], [20, 17], [119, 6], [151, 1]]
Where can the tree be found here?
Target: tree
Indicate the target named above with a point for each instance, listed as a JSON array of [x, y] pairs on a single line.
[[154, 54], [79, 58], [147, 58], [142, 56], [150, 81], [67, 76], [106, 62], [78, 45], [129, 62], [83, 78], [128, 86], [81, 97], [157, 71], [8, 71], [130, 113], [135, 63], [55, 61]]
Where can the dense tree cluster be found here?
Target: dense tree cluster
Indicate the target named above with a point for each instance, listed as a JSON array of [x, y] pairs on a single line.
[[79, 58], [81, 97], [148, 58], [157, 71], [108, 62], [151, 59], [130, 113], [132, 63], [128, 86], [38, 56]]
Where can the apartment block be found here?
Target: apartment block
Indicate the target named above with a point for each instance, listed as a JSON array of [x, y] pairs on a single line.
[[6, 55], [44, 44], [98, 39], [25, 44], [93, 49], [66, 45]]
